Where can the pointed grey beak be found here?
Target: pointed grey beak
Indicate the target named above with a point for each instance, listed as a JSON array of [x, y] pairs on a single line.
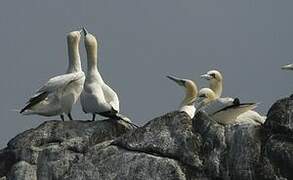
[[85, 31], [287, 67], [179, 81], [206, 76]]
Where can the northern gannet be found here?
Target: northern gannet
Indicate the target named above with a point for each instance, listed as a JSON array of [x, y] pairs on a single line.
[[187, 105], [223, 110], [97, 97], [287, 67], [215, 79], [251, 117], [57, 96]]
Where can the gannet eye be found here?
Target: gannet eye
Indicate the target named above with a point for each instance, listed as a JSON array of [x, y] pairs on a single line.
[[213, 75]]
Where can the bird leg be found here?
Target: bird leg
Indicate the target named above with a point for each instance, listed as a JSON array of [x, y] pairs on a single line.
[[62, 117], [94, 117], [69, 116]]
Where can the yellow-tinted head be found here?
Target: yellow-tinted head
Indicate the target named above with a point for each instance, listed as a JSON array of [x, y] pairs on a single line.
[[213, 75], [89, 40], [206, 95], [190, 89], [74, 37], [188, 84]]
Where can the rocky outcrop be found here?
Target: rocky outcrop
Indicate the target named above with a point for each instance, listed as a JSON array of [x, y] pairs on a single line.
[[48, 151], [172, 146], [277, 151]]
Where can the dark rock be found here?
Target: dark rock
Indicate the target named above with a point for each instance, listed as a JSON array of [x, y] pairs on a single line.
[[7, 159], [280, 117], [213, 143], [54, 145], [168, 147], [278, 157], [56, 132], [23, 171], [113, 162], [231, 151], [243, 151], [169, 136], [277, 149]]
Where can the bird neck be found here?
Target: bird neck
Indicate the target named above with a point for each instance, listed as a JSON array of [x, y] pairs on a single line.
[[92, 64], [190, 94], [217, 87], [74, 58]]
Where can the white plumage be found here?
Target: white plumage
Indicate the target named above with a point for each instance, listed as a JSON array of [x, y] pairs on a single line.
[[251, 117], [190, 87], [59, 94], [97, 97], [223, 110], [215, 79]]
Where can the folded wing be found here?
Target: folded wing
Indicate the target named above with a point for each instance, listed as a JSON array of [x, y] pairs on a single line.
[[52, 86]]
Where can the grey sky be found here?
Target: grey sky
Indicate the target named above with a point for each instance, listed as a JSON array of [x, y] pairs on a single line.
[[142, 42]]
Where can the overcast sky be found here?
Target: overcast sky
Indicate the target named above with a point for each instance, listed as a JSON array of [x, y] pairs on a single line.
[[142, 41]]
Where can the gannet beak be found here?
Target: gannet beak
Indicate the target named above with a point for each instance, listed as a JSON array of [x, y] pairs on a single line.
[[206, 76], [179, 81], [287, 67], [85, 32]]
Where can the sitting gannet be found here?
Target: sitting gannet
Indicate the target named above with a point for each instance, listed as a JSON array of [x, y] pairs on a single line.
[[222, 110], [190, 87], [251, 117], [97, 97], [59, 94], [288, 67], [215, 79]]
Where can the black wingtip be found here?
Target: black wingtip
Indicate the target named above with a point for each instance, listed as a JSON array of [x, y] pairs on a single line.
[[236, 101], [130, 123]]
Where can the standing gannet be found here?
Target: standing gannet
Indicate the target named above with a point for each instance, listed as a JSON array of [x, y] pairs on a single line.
[[287, 67], [97, 97], [187, 105], [223, 110], [215, 79], [57, 96]]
